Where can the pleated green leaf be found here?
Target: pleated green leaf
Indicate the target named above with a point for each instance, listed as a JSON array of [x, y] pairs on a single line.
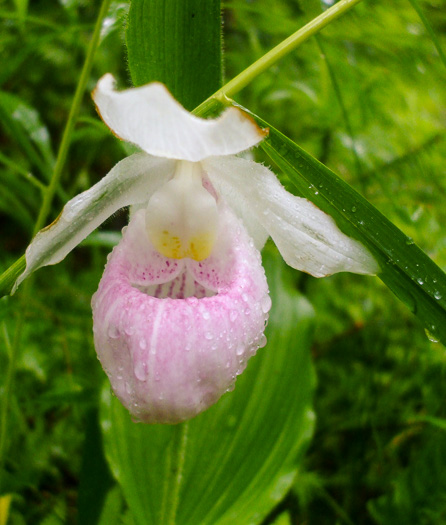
[[241, 456], [411, 275], [177, 43]]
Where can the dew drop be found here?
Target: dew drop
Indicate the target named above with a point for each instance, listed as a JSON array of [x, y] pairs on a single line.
[[208, 336], [354, 209], [206, 315], [420, 281], [265, 304], [240, 350], [437, 295], [409, 241], [140, 371], [113, 332], [142, 344], [262, 341], [233, 315], [432, 338]]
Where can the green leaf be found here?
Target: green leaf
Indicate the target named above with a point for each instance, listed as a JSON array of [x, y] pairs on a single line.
[[24, 125], [241, 456], [111, 513], [95, 479], [177, 43], [419, 492], [411, 275]]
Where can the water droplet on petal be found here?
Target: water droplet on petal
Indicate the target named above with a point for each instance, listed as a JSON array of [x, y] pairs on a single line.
[[208, 336], [129, 330], [113, 332], [206, 315], [143, 344], [233, 315], [266, 304], [140, 371], [240, 350]]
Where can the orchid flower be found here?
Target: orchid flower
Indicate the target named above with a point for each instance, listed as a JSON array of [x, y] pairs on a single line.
[[183, 301]]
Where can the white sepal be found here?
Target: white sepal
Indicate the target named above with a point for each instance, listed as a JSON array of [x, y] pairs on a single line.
[[131, 181], [151, 118], [308, 239]]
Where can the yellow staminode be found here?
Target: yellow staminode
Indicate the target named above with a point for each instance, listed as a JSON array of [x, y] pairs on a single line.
[[182, 216], [198, 247]]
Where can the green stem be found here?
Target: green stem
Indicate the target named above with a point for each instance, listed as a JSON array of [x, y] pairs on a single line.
[[9, 276], [75, 106], [174, 474], [281, 50], [429, 29], [43, 214], [344, 111], [9, 381]]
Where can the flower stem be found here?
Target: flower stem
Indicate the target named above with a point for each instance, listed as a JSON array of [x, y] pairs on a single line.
[[13, 353], [174, 474], [270, 58], [429, 29], [40, 222]]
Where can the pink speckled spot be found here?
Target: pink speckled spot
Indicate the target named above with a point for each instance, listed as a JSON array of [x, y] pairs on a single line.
[[172, 338]]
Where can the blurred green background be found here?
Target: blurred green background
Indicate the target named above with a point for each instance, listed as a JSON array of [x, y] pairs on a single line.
[[367, 98]]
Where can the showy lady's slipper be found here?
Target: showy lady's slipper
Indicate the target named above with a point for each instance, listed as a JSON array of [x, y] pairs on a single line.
[[183, 300]]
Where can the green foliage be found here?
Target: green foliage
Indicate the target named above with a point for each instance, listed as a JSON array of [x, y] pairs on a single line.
[[418, 495]]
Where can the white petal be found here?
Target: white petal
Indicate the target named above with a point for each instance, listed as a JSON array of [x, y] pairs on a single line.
[[131, 181], [238, 204], [307, 238], [151, 118]]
